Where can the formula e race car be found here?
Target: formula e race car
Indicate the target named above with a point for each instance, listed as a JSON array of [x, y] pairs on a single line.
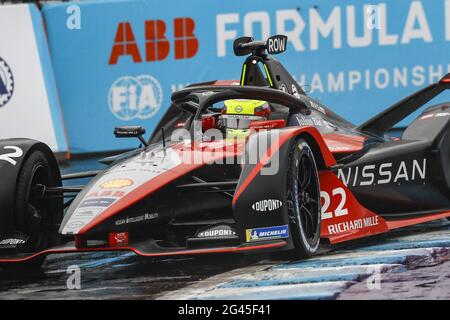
[[250, 166]]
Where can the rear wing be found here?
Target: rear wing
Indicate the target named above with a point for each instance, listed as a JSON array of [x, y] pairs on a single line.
[[385, 120]]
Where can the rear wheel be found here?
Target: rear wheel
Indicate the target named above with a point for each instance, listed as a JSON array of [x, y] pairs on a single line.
[[303, 200], [37, 217]]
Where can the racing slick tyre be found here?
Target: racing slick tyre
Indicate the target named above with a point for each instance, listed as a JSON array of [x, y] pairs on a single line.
[[303, 200], [37, 217]]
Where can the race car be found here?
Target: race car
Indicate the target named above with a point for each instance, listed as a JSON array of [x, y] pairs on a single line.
[[254, 165]]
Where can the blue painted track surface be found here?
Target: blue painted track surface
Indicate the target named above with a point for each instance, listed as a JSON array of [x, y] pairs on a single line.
[[331, 273]]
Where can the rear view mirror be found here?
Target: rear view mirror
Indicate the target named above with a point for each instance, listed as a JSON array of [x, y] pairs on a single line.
[[239, 50], [130, 132]]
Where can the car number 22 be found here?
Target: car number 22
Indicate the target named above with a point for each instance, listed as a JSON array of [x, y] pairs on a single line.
[[338, 194]]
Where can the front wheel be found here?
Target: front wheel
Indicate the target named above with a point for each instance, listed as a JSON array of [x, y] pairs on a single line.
[[35, 216], [303, 200]]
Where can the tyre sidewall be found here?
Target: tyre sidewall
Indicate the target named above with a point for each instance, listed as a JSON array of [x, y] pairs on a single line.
[[53, 209], [303, 247]]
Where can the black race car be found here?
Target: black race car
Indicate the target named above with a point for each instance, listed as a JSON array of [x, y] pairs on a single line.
[[250, 166]]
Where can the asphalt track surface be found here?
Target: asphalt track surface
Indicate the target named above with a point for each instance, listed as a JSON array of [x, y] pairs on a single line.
[[410, 263]]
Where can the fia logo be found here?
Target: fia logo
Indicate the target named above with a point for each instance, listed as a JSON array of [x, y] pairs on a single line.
[[135, 97], [6, 83]]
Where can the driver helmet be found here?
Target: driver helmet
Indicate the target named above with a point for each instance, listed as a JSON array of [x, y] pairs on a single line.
[[238, 114]]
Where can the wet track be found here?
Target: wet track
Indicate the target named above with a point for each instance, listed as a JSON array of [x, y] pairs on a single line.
[[338, 272]]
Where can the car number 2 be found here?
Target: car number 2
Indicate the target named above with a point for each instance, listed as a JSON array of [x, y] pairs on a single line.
[[340, 209], [9, 157]]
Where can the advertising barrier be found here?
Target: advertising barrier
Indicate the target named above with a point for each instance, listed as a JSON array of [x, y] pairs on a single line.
[[117, 62], [29, 105]]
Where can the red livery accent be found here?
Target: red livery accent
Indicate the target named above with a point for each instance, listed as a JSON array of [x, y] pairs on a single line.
[[118, 239], [340, 143], [268, 124], [343, 217], [208, 122], [226, 83], [446, 79], [71, 249], [80, 242], [413, 221]]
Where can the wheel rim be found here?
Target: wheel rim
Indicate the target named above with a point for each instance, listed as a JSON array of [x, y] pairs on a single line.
[[308, 196]]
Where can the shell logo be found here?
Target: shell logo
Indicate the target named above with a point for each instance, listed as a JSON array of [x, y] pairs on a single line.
[[116, 184]]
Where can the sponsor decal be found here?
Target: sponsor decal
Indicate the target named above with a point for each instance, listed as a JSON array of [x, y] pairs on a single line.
[[144, 217], [338, 194], [81, 217], [217, 232], [267, 233], [6, 83], [75, 225], [238, 109], [118, 239], [267, 205], [157, 46], [106, 193], [9, 157], [276, 44], [384, 173], [295, 91], [138, 97], [317, 106], [116, 184], [309, 121], [97, 202], [86, 213], [11, 241], [352, 225]]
